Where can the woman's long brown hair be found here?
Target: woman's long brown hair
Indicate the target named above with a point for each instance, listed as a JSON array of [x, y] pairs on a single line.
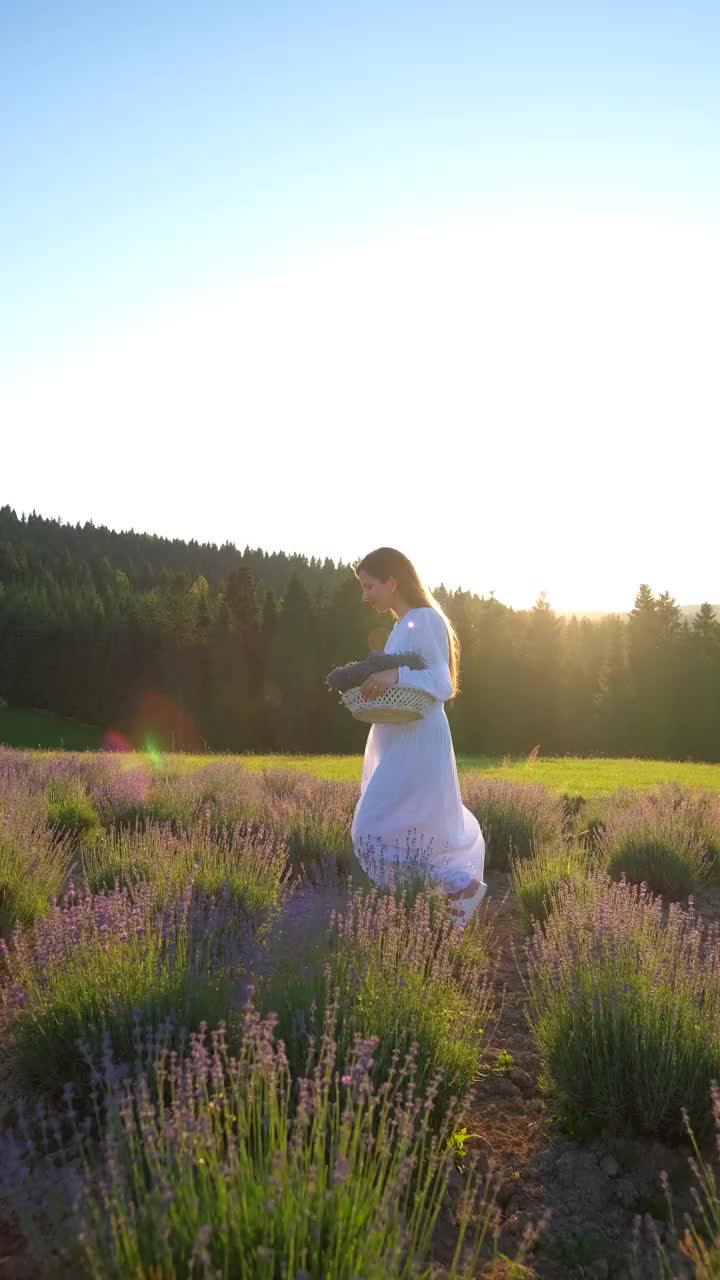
[[386, 563]]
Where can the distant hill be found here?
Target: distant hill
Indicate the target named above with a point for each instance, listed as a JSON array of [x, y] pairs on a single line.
[[687, 610], [149, 560], [591, 615]]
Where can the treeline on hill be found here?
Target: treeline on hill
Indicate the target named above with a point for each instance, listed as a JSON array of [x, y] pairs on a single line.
[[202, 647]]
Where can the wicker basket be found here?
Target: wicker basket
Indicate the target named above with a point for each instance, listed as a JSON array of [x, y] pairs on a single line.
[[397, 705]]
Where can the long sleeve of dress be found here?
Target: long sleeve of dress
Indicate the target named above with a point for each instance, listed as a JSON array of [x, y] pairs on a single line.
[[427, 635]]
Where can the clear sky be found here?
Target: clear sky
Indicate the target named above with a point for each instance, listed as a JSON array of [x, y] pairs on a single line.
[[320, 278]]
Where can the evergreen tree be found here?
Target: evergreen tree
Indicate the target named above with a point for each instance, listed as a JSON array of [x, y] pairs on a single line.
[[612, 707], [293, 667], [643, 654], [541, 662], [702, 711]]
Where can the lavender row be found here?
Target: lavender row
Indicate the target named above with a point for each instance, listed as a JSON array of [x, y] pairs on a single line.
[[224, 1164], [625, 1007]]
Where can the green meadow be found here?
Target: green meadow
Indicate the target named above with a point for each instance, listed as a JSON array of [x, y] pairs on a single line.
[[570, 775], [42, 729]]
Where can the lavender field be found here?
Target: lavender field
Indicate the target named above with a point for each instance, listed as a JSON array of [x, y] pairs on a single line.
[[226, 1054]]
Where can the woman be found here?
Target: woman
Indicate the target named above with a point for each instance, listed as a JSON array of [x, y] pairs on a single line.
[[410, 783]]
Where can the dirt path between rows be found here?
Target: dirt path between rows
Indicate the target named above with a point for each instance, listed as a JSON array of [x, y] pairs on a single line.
[[590, 1193]]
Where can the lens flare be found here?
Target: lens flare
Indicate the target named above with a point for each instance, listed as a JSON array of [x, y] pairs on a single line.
[[156, 759], [114, 741], [160, 725]]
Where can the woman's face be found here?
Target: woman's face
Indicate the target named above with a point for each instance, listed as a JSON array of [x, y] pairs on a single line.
[[381, 595]]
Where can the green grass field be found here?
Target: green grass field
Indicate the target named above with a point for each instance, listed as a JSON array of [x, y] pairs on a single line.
[[571, 774], [585, 776], [41, 729]]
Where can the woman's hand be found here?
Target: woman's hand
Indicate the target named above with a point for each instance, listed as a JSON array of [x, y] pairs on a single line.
[[378, 682]]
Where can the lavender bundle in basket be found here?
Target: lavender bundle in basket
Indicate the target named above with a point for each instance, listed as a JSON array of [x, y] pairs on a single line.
[[353, 673]]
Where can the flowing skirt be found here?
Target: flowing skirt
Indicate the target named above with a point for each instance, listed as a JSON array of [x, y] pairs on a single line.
[[410, 804]]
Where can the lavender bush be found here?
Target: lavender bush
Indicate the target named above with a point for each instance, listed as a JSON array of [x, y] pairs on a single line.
[[625, 1007], [215, 1165], [310, 816], [224, 794], [105, 788], [71, 811], [317, 828], [405, 974], [655, 841], [175, 800], [33, 860], [671, 793], [227, 783], [15, 765], [247, 866], [227, 794], [708, 832], [120, 792], [514, 816], [593, 815], [536, 879], [124, 787], [286, 783], [699, 809], [58, 768], [99, 961]]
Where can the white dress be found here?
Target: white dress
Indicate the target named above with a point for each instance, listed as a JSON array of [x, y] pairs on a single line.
[[410, 793]]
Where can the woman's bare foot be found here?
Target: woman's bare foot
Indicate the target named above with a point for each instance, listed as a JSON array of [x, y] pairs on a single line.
[[463, 895], [468, 892]]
